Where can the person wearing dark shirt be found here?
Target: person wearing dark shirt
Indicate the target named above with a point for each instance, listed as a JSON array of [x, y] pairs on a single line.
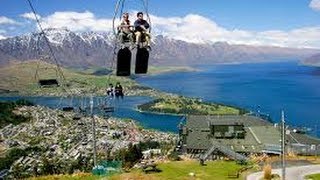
[[141, 26], [118, 90]]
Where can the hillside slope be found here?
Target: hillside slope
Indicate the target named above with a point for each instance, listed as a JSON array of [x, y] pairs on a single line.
[[21, 77]]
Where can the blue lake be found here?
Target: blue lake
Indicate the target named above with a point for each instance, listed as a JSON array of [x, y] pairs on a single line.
[[264, 87]]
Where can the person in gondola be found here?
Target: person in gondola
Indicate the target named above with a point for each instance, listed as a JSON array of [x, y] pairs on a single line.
[[110, 90], [118, 90], [125, 30], [141, 27]]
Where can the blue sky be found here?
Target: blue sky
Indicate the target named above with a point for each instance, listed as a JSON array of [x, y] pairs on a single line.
[[225, 18]]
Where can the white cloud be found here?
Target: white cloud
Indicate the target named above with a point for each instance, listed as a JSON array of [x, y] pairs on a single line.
[[30, 16], [2, 37], [198, 29], [2, 31], [5, 20], [191, 28], [76, 21], [315, 5]]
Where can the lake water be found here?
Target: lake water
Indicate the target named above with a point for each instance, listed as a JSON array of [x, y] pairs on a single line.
[[266, 87]]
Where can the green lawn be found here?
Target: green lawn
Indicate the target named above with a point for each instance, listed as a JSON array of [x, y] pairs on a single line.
[[313, 177], [181, 170], [176, 170]]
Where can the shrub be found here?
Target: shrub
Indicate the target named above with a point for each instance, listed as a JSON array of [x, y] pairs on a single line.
[[267, 172], [174, 156]]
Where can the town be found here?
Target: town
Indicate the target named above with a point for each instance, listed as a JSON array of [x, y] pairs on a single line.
[[63, 138]]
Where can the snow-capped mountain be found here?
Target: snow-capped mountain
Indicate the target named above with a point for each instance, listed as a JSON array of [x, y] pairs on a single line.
[[96, 49], [70, 49]]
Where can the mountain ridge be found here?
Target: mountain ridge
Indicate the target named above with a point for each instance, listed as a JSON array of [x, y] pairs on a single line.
[[313, 60], [83, 49]]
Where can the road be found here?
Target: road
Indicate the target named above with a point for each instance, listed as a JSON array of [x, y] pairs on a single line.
[[292, 173]]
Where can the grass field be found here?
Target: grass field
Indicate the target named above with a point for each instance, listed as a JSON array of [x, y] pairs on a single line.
[[313, 177], [182, 169], [176, 170]]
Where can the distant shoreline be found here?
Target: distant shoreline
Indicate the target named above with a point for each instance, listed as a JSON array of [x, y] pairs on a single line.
[[157, 113], [153, 70], [309, 64]]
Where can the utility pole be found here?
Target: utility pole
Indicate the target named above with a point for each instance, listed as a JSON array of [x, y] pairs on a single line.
[[93, 133], [283, 145]]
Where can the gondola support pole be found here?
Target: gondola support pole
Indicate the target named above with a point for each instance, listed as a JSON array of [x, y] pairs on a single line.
[[93, 133]]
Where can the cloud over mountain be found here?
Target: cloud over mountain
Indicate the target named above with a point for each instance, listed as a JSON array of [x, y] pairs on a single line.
[[198, 29], [77, 21], [191, 28], [2, 37], [30, 16], [6, 20], [83, 49]]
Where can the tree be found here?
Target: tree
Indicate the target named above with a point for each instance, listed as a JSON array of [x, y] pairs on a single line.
[[13, 155], [48, 167], [149, 145], [133, 155]]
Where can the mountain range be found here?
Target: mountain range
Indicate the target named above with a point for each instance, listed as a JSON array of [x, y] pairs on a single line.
[[97, 49], [313, 60]]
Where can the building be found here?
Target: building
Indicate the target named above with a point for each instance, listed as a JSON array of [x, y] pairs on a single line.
[[203, 136]]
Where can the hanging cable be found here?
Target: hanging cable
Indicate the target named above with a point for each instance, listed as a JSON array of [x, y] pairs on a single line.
[[115, 42], [46, 39], [121, 10], [115, 15], [119, 6], [146, 5], [52, 55], [115, 33]]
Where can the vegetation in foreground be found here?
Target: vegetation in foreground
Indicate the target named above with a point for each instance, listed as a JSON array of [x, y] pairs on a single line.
[[168, 170], [15, 153], [185, 170], [68, 170], [313, 176], [184, 105], [76, 176]]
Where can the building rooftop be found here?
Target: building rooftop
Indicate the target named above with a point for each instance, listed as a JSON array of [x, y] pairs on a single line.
[[198, 121], [259, 134]]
